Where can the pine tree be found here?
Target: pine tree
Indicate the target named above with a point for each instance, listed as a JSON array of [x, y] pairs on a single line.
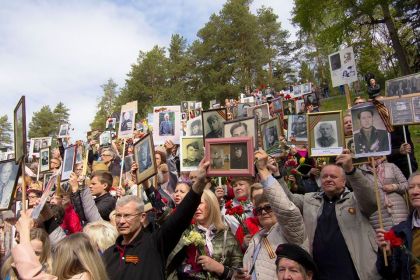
[[5, 131], [106, 105], [43, 123]]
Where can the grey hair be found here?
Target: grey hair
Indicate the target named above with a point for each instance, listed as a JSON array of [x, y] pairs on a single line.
[[131, 198], [111, 151], [343, 173], [415, 174]]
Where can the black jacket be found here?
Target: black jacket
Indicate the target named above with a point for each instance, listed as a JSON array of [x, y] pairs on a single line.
[[151, 248], [105, 203]]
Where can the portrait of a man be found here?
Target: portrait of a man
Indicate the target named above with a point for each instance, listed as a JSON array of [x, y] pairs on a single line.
[[166, 126], [44, 143], [143, 156], [105, 138], [271, 140], [326, 135], [127, 121], [243, 109], [215, 123], [238, 156], [37, 145], [193, 156], [44, 158], [195, 128], [289, 108], [239, 129], [299, 126], [217, 157], [8, 174], [369, 139]]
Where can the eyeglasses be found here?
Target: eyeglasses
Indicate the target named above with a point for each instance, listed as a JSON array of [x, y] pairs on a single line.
[[126, 217], [258, 211]]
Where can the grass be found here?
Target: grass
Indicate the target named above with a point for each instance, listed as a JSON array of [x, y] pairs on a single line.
[[339, 103]]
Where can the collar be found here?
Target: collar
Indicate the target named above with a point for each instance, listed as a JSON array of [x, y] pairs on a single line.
[[322, 194], [415, 219], [136, 241]]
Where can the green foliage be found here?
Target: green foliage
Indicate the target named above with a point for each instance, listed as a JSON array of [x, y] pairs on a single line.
[[106, 105], [5, 131], [46, 122]]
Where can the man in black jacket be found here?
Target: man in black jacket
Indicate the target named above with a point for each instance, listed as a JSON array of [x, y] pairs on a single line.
[[140, 253], [100, 184]]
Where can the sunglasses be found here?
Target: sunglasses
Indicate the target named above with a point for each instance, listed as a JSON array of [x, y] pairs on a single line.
[[258, 211]]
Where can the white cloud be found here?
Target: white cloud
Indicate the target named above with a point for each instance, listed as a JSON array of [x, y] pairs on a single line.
[[55, 51]]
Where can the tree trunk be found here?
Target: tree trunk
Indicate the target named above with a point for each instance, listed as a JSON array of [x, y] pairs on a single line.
[[396, 44]]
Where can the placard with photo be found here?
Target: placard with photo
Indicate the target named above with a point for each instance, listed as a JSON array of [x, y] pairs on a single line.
[[166, 124], [192, 152], [145, 158], [10, 172], [212, 121], [241, 128], [296, 128], [19, 117], [44, 160], [68, 162]]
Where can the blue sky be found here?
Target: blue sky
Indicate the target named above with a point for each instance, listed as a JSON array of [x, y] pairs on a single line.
[[53, 51]]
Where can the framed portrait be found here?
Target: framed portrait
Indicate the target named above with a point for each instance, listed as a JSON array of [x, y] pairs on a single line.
[[198, 105], [241, 128], [416, 108], [68, 162], [306, 88], [195, 127], [9, 175], [350, 146], [212, 121], [311, 99], [296, 128], [369, 133], [230, 156], [44, 159], [184, 106], [128, 162], [46, 179], [260, 112], [297, 91], [300, 106], [192, 152], [36, 144], [325, 133], [19, 117], [144, 156], [403, 85], [401, 112], [167, 124], [105, 138], [126, 123], [111, 124], [277, 104], [271, 131], [289, 107], [242, 110], [64, 131]]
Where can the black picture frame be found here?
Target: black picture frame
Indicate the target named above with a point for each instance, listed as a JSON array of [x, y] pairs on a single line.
[[69, 160], [19, 118], [149, 168], [8, 182]]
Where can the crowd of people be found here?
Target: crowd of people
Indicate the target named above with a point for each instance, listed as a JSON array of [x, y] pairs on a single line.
[[324, 222]]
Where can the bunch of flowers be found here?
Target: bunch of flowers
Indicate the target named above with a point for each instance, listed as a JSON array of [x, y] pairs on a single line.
[[238, 212], [197, 239], [287, 97], [292, 166], [397, 242]]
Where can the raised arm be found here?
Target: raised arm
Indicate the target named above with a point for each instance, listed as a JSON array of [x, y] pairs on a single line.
[[287, 214]]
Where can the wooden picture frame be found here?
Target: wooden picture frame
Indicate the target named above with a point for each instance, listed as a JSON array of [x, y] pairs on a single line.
[[44, 160], [191, 152], [220, 153], [19, 118], [277, 104], [216, 116], [69, 160], [325, 133], [144, 156], [271, 132], [242, 110], [261, 112], [242, 127], [9, 175]]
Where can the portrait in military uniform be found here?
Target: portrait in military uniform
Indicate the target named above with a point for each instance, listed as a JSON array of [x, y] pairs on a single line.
[[369, 134], [192, 152], [212, 121], [270, 131], [326, 133], [241, 128]]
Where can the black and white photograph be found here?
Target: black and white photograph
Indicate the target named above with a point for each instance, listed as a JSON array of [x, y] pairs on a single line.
[[260, 112], [306, 88], [46, 179], [242, 111], [335, 61], [68, 162], [238, 156], [297, 90], [271, 131], [296, 128], [44, 159], [326, 133], [416, 108], [9, 174], [64, 131], [192, 152], [126, 123], [128, 162], [300, 106], [184, 106], [311, 99], [212, 121], [350, 146], [36, 144], [401, 111], [166, 124], [403, 85], [241, 128], [19, 117], [195, 127], [220, 156], [145, 158], [105, 138], [289, 107], [369, 132]]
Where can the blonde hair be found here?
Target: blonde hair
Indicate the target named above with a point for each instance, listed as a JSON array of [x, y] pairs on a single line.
[[101, 233], [74, 255], [213, 208], [44, 258]]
